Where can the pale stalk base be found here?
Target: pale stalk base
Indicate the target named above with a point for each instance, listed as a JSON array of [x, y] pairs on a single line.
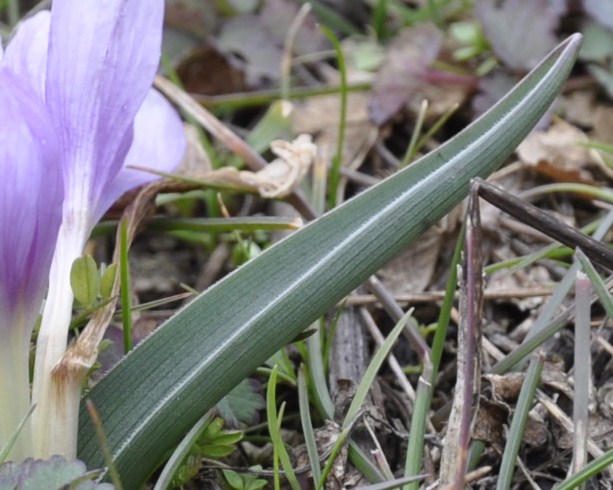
[[15, 390], [54, 421]]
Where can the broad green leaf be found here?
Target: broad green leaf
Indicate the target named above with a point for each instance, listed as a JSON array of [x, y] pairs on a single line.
[[153, 397]]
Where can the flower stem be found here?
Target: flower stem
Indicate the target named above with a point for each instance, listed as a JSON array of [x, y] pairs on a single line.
[[54, 421], [15, 390]]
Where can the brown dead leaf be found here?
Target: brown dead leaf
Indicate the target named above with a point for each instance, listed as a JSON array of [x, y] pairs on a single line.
[[412, 270], [564, 439], [555, 378], [195, 17], [252, 47], [601, 429], [536, 432], [255, 42], [495, 407], [442, 97], [325, 440], [207, 71], [505, 388], [278, 15], [407, 77], [402, 75], [578, 107], [521, 33], [603, 124], [495, 412], [557, 152], [320, 116], [605, 399], [490, 420], [502, 280]]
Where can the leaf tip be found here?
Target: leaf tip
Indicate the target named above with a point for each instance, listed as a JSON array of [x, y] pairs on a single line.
[[574, 41]]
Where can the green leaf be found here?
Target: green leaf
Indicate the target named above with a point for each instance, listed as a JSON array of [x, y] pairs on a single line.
[[275, 124], [213, 429], [153, 397], [227, 438], [215, 435], [241, 404], [107, 280], [589, 471], [85, 280], [274, 428], [214, 451], [233, 479]]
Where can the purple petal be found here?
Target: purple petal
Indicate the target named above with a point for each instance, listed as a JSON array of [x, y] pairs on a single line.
[[30, 197], [159, 144], [103, 55], [26, 54]]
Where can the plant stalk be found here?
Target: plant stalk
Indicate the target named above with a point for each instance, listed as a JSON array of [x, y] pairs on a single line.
[[54, 423]]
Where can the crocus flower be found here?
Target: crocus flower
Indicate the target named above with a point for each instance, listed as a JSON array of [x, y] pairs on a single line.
[[92, 62], [30, 212]]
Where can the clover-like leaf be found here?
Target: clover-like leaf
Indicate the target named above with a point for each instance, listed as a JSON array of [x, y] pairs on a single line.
[[85, 280], [54, 473]]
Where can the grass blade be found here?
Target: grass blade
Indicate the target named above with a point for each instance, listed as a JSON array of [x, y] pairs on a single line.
[[307, 428], [181, 452], [274, 427], [518, 424], [590, 470], [582, 372]]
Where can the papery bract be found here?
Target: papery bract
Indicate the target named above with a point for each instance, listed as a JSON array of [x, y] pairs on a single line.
[[31, 195]]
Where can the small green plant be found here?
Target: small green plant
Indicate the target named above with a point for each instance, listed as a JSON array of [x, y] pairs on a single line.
[[244, 481], [91, 286], [213, 443], [216, 442]]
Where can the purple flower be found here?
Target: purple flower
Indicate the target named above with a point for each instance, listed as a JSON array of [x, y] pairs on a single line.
[[93, 62], [88, 67], [30, 212]]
